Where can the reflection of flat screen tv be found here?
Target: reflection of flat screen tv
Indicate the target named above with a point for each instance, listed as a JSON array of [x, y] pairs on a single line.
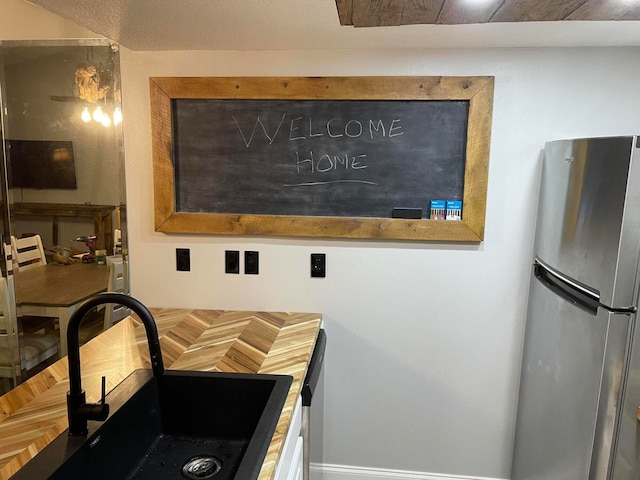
[[41, 164]]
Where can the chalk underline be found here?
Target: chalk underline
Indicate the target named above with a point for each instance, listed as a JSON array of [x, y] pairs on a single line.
[[313, 184]]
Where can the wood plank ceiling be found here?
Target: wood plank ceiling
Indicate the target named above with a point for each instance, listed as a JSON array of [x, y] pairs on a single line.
[[377, 13]]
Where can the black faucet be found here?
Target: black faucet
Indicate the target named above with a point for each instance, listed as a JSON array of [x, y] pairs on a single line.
[[78, 410]]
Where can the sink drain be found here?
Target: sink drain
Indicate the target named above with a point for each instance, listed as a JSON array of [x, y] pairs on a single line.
[[202, 466]]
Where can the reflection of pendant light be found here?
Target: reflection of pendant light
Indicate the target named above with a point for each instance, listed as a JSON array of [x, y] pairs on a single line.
[[95, 84], [61, 155], [97, 114], [106, 121], [85, 116], [117, 116]]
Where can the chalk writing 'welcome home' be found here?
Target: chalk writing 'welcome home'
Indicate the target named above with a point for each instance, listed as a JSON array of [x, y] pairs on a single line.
[[300, 128]]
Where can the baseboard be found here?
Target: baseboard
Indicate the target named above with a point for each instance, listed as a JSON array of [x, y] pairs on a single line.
[[344, 472]]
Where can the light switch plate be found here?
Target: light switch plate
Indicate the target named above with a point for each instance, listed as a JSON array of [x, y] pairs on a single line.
[[231, 261], [251, 262]]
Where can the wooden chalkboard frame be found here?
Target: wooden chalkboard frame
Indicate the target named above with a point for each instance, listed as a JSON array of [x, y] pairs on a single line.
[[477, 90]]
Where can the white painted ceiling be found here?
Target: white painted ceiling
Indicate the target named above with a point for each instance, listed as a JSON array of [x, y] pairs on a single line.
[[308, 24]]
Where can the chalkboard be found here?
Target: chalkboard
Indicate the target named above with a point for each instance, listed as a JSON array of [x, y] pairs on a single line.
[[348, 158], [320, 156]]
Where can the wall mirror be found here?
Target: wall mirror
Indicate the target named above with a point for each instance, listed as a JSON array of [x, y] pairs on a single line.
[[63, 219]]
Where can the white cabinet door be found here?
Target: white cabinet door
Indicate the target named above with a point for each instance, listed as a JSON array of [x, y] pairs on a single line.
[[285, 465], [296, 465]]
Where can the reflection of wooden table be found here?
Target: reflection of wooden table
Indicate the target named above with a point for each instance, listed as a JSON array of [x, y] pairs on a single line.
[[56, 291], [101, 215]]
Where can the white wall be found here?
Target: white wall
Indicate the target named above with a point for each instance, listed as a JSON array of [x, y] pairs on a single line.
[[424, 339]]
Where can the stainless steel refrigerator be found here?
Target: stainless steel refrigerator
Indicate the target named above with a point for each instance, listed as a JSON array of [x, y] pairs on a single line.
[[580, 379]]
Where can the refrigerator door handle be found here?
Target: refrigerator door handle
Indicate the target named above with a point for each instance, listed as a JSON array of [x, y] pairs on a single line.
[[568, 280], [571, 290], [566, 288]]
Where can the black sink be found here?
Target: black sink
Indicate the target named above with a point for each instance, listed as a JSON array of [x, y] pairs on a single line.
[[177, 425]]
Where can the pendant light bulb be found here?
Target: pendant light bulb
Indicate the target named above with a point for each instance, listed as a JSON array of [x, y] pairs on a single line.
[[85, 115], [117, 116], [105, 120], [97, 114]]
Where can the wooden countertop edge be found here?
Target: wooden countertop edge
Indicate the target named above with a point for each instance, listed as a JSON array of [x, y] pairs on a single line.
[[293, 337], [277, 442]]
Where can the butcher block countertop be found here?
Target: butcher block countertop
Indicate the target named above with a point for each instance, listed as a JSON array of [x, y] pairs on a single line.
[[35, 412]]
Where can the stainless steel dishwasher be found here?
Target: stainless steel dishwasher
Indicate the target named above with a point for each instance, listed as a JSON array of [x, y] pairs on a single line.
[[309, 389]]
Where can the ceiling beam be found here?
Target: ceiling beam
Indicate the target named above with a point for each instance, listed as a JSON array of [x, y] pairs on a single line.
[[603, 10], [456, 12], [345, 10], [633, 14], [376, 13], [536, 10]]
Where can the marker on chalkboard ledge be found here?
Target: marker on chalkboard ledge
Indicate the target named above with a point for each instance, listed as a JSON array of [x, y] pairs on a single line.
[[438, 209], [454, 210], [412, 213]]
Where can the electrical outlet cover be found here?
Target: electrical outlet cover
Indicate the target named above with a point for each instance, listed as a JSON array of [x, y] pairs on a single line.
[[318, 265], [183, 260]]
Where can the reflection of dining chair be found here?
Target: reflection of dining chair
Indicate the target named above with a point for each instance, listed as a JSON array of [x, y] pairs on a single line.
[[28, 252], [117, 283], [117, 241], [19, 351], [9, 352]]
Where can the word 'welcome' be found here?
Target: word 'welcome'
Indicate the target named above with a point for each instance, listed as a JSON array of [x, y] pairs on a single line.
[[301, 128]]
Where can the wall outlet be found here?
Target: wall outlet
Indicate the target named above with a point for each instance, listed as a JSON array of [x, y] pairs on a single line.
[[318, 265], [183, 260], [231, 261], [251, 263]]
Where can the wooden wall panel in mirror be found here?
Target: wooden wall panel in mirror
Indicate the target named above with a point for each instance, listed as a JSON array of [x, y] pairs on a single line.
[[63, 190], [341, 157]]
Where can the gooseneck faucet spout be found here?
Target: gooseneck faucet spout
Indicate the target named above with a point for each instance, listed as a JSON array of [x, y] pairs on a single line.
[[78, 411]]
